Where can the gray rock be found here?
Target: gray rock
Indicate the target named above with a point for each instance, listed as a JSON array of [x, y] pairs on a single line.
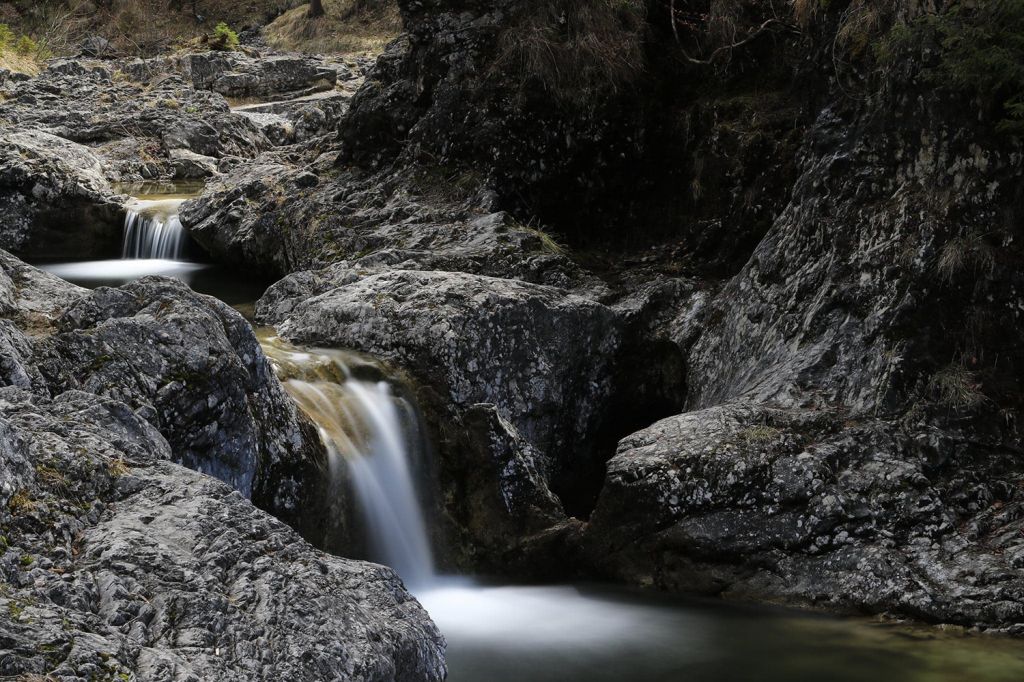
[[788, 505], [118, 563], [192, 366], [235, 74], [44, 179]]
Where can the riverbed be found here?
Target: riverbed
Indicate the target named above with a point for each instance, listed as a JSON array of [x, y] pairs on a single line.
[[579, 633]]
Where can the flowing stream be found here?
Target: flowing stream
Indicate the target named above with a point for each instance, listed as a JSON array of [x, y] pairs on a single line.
[[154, 242], [581, 633], [561, 633]]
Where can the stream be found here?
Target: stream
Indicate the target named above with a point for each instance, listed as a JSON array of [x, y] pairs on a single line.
[[564, 633]]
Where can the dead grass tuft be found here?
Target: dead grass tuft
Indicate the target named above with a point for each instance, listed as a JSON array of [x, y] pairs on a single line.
[[355, 27], [957, 387], [575, 50]]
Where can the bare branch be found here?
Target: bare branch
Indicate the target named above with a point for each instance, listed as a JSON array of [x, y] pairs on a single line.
[[769, 25]]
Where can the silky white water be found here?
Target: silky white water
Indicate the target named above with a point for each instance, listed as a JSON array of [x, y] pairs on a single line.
[[365, 428], [152, 229], [566, 633]]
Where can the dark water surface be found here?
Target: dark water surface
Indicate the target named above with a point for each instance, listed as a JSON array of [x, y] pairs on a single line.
[[597, 634]]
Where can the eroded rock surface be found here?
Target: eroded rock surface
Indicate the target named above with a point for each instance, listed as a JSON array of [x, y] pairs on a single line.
[[795, 505], [116, 561]]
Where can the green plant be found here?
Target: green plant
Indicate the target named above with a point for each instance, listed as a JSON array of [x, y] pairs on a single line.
[[224, 38], [26, 560], [26, 46], [980, 50], [6, 37]]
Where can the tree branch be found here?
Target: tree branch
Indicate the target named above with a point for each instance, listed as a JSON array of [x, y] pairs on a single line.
[[767, 26]]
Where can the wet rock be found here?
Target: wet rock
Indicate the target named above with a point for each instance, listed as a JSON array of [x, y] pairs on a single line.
[[515, 376], [44, 179]]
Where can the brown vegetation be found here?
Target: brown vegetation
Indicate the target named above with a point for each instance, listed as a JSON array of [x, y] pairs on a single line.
[[346, 26], [575, 50]]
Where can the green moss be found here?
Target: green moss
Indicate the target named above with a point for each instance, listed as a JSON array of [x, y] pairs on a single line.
[[26, 560], [759, 434]]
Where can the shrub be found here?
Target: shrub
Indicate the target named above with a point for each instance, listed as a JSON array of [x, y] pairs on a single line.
[[224, 38], [980, 51], [26, 46]]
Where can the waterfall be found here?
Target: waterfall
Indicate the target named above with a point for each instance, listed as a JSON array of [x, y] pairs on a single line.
[[363, 425], [152, 230]]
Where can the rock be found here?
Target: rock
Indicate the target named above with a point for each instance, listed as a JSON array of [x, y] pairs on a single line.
[[96, 47], [192, 366], [281, 215], [118, 563], [787, 505], [44, 179], [234, 74], [515, 377]]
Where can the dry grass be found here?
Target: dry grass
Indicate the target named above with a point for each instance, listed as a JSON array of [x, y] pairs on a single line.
[[957, 387], [759, 434], [20, 63], [141, 26], [961, 253], [21, 503], [348, 27], [575, 50]]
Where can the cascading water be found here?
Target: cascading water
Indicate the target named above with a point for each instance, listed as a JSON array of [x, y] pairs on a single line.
[[546, 633], [152, 230], [365, 427]]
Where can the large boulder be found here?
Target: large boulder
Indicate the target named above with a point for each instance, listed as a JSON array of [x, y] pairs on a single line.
[[236, 74], [515, 378], [45, 179], [792, 505], [192, 366], [117, 564]]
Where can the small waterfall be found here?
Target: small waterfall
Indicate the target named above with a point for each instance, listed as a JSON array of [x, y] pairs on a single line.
[[363, 424], [152, 230]]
